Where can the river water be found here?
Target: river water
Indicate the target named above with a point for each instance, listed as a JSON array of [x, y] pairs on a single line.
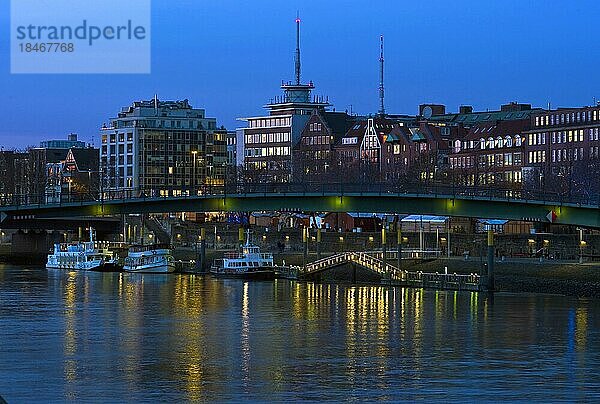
[[131, 337]]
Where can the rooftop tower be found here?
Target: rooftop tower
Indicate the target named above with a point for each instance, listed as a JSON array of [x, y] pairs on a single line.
[[381, 87]]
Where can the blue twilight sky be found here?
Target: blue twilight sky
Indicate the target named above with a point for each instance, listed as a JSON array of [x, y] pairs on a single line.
[[229, 57]]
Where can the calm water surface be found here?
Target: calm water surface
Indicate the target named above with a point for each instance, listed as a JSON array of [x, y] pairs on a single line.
[[131, 337]]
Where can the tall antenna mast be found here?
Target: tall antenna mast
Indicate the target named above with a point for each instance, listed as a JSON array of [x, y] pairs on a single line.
[[381, 87], [298, 48]]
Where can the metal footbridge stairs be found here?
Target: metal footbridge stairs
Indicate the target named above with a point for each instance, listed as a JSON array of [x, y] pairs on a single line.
[[392, 275]]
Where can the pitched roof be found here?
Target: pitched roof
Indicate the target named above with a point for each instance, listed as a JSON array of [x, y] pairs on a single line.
[[500, 128], [482, 117], [338, 122], [86, 158]]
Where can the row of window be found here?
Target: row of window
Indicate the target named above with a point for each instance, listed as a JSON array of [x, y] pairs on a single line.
[[491, 178], [268, 122], [489, 143], [575, 154], [165, 123], [120, 160], [316, 140], [564, 136], [567, 118], [316, 127], [268, 151], [114, 136], [317, 155], [271, 165], [499, 142], [487, 160], [279, 137], [113, 149]]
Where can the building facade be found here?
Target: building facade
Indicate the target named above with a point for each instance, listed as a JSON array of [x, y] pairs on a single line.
[[14, 174], [162, 148], [491, 154], [563, 151]]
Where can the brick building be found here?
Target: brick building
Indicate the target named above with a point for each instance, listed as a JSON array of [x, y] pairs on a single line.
[[491, 153], [563, 151]]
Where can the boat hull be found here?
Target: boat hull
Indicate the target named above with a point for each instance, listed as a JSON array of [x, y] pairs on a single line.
[[87, 266], [151, 269], [262, 275]]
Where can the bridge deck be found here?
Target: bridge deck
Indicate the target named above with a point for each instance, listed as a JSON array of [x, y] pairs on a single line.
[[465, 202]]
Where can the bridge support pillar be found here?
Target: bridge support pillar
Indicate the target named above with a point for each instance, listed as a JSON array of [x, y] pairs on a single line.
[[318, 243], [399, 242], [490, 261], [384, 247], [304, 246], [202, 252]]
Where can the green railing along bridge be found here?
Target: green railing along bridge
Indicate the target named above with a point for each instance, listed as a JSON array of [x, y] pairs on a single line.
[[369, 198]]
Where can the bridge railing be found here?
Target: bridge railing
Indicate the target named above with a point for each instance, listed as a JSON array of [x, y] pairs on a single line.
[[274, 189], [364, 259], [460, 279]]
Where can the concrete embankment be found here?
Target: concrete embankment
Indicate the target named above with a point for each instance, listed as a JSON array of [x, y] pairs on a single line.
[[565, 278]]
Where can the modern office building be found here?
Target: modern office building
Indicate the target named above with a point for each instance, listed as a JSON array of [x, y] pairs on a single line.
[[232, 148], [162, 148]]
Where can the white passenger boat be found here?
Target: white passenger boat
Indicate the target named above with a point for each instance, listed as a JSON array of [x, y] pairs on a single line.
[[155, 258], [83, 255], [249, 263]]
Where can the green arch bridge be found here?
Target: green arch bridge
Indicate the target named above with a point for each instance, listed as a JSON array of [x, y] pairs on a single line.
[[368, 198]]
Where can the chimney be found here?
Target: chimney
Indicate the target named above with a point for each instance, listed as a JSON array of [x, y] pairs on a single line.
[[515, 107], [465, 109]]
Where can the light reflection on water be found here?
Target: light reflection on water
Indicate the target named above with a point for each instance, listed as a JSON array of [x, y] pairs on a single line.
[[74, 335]]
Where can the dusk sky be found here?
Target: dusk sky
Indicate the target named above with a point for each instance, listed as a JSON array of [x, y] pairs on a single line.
[[229, 57]]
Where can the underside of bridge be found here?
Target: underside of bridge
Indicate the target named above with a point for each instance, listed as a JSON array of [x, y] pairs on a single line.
[[348, 272], [101, 224], [517, 209]]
